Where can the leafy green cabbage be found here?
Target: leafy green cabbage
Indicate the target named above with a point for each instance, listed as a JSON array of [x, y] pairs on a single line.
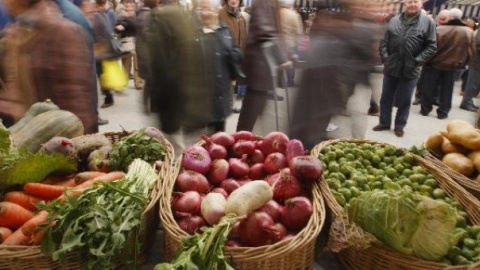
[[409, 223]]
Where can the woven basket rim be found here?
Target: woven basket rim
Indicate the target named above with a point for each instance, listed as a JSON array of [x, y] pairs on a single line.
[[380, 248], [302, 238], [19, 252]]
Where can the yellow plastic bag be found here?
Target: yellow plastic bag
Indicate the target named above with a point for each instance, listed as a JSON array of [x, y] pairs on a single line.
[[114, 76]]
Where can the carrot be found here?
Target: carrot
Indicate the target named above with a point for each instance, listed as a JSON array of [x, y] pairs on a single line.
[[16, 238], [110, 177], [66, 183], [43, 190], [52, 180], [4, 233], [37, 237], [21, 198], [13, 215], [28, 228], [85, 176]]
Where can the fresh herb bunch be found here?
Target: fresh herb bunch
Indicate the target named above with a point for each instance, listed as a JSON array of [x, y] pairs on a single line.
[[204, 251], [136, 145], [102, 221]]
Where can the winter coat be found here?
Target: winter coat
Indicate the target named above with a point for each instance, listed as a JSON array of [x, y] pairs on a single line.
[[141, 40], [406, 47], [237, 25], [44, 56]]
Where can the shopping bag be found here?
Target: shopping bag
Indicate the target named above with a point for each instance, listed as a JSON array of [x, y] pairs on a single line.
[[114, 76]]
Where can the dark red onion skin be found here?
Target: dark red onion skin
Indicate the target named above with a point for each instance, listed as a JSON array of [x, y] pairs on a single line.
[[232, 243], [257, 172], [306, 167], [243, 147], [196, 158], [243, 135], [273, 209], [275, 141], [230, 185], [235, 232], [244, 181], [272, 178], [278, 231], [292, 217], [295, 148], [221, 191], [254, 229], [186, 181], [191, 224], [216, 151], [256, 157], [274, 162], [218, 171], [180, 201], [287, 186], [223, 139], [239, 167]]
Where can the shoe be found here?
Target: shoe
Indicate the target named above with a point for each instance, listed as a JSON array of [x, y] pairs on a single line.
[[106, 105], [442, 116], [270, 96], [373, 111], [399, 133], [380, 128], [102, 121], [424, 113], [138, 87], [416, 101], [470, 108], [235, 110]]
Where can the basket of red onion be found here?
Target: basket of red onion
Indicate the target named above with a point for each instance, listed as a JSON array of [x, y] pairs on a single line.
[[277, 232]]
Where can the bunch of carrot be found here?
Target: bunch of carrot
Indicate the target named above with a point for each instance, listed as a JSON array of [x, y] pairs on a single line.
[[19, 217]]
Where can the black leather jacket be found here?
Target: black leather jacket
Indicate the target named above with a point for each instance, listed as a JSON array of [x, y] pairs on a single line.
[[406, 47]]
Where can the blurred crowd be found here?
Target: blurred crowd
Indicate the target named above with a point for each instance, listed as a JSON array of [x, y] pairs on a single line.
[[193, 59]]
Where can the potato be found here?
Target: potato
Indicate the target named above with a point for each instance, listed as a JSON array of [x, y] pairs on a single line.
[[459, 163], [463, 133], [475, 158], [449, 147], [248, 198], [434, 142]]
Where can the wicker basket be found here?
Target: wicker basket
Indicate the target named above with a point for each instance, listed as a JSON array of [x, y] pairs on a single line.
[[31, 257], [469, 184], [297, 253], [379, 256]]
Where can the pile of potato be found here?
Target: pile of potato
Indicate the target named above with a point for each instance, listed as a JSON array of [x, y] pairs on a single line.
[[458, 147]]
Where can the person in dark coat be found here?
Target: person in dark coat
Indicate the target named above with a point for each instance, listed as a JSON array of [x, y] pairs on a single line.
[[408, 43], [263, 29]]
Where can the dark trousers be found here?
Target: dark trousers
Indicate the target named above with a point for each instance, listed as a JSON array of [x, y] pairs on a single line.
[[472, 87], [432, 77], [399, 90], [252, 106]]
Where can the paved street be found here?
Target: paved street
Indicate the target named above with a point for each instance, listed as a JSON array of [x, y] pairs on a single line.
[[129, 113]]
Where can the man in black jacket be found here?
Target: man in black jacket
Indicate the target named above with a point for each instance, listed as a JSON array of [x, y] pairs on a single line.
[[409, 42]]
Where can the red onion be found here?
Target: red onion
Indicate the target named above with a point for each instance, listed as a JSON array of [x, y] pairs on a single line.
[[258, 144], [230, 185], [241, 148], [232, 243], [257, 172], [197, 159], [187, 203], [278, 232], [235, 232], [192, 181], [256, 157], [306, 167], [221, 191], [254, 230], [216, 151], [273, 209], [272, 178], [244, 181], [223, 138], [294, 149], [239, 167], [218, 171], [275, 142], [243, 135], [191, 224], [297, 213], [287, 186], [274, 162], [289, 236]]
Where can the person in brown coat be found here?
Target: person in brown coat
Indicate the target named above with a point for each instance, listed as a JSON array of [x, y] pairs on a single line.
[[230, 14], [44, 56]]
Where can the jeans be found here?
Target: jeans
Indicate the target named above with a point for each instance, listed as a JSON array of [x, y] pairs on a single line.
[[472, 87], [432, 77], [399, 90]]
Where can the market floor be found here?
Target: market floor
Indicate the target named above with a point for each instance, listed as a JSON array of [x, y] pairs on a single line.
[[129, 113]]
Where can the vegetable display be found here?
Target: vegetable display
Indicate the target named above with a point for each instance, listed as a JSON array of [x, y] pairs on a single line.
[[372, 181]]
